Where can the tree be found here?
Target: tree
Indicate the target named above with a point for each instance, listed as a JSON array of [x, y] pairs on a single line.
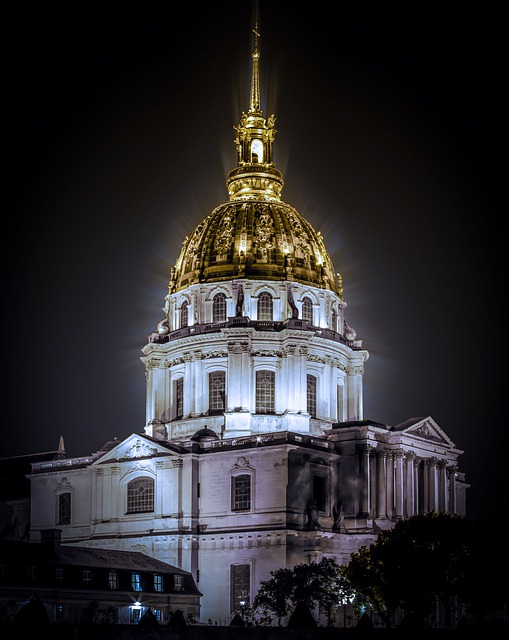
[[420, 560], [320, 584]]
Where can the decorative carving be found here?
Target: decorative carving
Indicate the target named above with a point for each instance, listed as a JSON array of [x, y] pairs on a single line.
[[140, 450]]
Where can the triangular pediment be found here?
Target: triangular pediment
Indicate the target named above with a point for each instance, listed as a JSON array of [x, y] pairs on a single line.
[[134, 447], [428, 429]]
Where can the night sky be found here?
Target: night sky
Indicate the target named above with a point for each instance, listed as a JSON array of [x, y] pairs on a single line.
[[119, 132]]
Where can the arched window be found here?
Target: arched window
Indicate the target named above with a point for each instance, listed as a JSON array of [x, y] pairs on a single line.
[[307, 310], [256, 151], [265, 306], [217, 392], [334, 320], [140, 495], [311, 395], [64, 508], [184, 314], [265, 387], [179, 398], [219, 308], [241, 492]]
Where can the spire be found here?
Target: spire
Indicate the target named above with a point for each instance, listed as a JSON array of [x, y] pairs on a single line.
[[255, 176], [254, 102], [61, 448]]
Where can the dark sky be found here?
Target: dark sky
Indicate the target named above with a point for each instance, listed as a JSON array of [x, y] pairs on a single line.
[[119, 134]]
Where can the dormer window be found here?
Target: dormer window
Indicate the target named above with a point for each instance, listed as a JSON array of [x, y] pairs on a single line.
[[256, 151]]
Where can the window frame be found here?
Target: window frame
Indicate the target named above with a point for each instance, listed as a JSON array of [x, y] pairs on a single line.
[[144, 504], [265, 307], [239, 502], [265, 403]]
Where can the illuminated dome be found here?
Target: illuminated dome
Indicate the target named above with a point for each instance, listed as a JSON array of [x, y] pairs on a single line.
[[254, 236]]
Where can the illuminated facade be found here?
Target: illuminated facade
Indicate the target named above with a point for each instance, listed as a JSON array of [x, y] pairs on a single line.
[[255, 454]]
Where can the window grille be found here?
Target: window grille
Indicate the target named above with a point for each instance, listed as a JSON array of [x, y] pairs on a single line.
[[219, 308], [265, 306], [241, 492], [311, 395], [240, 586], [136, 581], [184, 314], [179, 399], [113, 580], [64, 508], [178, 583], [307, 310], [217, 382], [140, 495], [265, 384]]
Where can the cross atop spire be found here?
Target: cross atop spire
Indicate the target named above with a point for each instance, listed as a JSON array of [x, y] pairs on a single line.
[[254, 102]]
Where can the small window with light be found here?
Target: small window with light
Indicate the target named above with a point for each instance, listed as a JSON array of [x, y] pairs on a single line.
[[136, 581], [158, 582], [178, 583]]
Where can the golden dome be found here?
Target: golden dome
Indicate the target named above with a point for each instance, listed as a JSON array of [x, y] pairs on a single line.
[[255, 235]]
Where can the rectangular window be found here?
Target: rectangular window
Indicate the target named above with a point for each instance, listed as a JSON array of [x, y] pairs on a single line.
[[265, 384], [311, 395], [241, 492], [113, 580], [140, 495], [59, 575], [87, 576], [179, 398], [158, 583], [239, 586], [31, 572], [64, 508], [136, 581], [178, 583], [216, 392], [158, 614], [319, 492]]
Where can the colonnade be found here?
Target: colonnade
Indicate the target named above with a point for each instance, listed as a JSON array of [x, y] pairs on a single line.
[[397, 484]]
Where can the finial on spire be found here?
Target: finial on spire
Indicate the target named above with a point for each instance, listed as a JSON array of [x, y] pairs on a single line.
[[254, 102]]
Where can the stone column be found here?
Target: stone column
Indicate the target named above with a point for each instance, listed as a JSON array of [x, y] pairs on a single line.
[[452, 489], [197, 402], [234, 376], [417, 487], [372, 483], [302, 380], [442, 486], [188, 385], [246, 376], [389, 467], [432, 498], [365, 498], [382, 484], [399, 484], [410, 485], [425, 486]]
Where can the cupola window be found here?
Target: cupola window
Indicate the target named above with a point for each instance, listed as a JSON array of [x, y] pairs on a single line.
[[334, 320], [256, 151], [307, 310], [265, 306], [219, 308], [184, 314]]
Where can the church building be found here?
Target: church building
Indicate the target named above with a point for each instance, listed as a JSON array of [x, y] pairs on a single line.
[[256, 454]]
